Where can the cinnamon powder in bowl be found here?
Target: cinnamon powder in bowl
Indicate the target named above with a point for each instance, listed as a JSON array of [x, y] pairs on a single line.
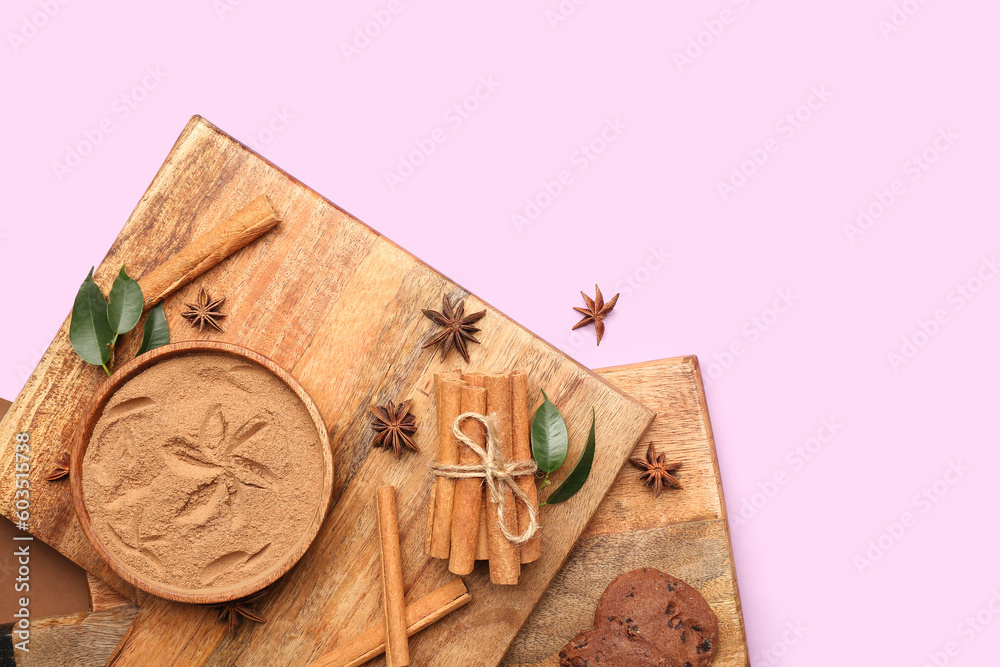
[[205, 474]]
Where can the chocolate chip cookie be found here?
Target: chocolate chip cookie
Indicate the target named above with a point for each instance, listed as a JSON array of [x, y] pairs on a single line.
[[611, 646], [663, 610]]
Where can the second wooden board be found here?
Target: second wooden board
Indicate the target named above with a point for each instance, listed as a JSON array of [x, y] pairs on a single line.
[[684, 533]]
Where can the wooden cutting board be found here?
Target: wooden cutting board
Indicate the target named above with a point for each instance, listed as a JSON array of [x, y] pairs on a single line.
[[684, 533], [338, 306]]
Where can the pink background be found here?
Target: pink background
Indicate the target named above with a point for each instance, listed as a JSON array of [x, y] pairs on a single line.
[[276, 76]]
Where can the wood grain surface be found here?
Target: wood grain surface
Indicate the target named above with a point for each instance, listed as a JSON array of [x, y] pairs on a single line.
[[684, 533], [338, 306], [86, 639], [103, 597]]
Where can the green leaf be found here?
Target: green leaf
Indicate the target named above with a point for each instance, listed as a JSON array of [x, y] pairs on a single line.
[[155, 332], [549, 438], [124, 303], [581, 471], [89, 330]]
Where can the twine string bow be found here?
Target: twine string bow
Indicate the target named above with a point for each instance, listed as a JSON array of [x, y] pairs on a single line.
[[496, 471]]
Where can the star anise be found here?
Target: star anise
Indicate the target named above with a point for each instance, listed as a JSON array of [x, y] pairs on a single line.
[[394, 427], [595, 312], [457, 328], [61, 469], [206, 311], [232, 611], [656, 471]]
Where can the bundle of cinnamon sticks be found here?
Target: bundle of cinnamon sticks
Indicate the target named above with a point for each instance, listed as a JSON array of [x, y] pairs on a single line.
[[463, 523]]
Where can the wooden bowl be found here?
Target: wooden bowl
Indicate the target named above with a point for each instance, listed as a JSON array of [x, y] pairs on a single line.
[[217, 594]]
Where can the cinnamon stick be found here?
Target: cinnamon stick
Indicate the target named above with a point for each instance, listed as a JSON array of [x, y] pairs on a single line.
[[532, 549], [469, 491], [505, 558], [209, 249], [448, 395], [398, 651], [482, 540], [420, 614], [429, 530]]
